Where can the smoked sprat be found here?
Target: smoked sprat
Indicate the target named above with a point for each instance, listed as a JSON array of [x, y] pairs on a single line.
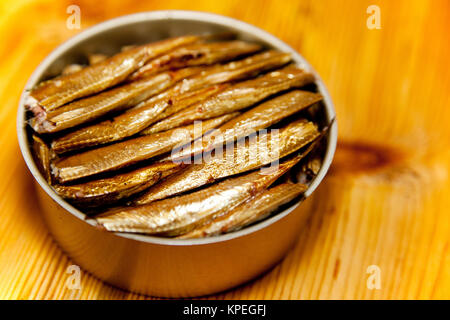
[[186, 137]]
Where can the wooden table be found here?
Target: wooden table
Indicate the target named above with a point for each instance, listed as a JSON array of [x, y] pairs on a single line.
[[386, 200]]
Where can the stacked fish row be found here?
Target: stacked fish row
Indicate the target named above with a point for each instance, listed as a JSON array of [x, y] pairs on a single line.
[[120, 138]]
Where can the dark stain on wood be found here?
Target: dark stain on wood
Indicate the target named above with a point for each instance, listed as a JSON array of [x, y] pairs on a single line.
[[337, 265], [360, 157]]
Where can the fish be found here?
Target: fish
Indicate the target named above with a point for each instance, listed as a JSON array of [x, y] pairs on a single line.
[[119, 98], [236, 97], [128, 152], [128, 123], [264, 149], [230, 72], [96, 58], [178, 101], [99, 76], [251, 211], [221, 75], [313, 166], [259, 117], [112, 189], [310, 168], [196, 54], [71, 68], [75, 67], [236, 70], [178, 215], [43, 156]]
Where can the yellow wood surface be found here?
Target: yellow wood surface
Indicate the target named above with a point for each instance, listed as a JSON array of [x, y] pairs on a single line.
[[386, 200]]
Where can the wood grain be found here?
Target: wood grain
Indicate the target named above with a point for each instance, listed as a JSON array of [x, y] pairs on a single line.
[[386, 200]]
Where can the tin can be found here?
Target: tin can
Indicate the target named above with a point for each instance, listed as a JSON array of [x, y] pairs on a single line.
[[161, 266]]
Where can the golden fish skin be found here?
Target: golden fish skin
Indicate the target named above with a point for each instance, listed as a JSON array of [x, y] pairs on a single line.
[[181, 214], [113, 189], [236, 97], [310, 168], [43, 156], [221, 75], [313, 166], [196, 54], [232, 71], [237, 70], [259, 117], [215, 75], [128, 123], [71, 68], [179, 100], [128, 152], [99, 76], [265, 150], [96, 58], [119, 98], [253, 210]]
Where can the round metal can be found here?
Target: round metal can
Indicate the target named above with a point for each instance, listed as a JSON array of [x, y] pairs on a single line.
[[153, 265]]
